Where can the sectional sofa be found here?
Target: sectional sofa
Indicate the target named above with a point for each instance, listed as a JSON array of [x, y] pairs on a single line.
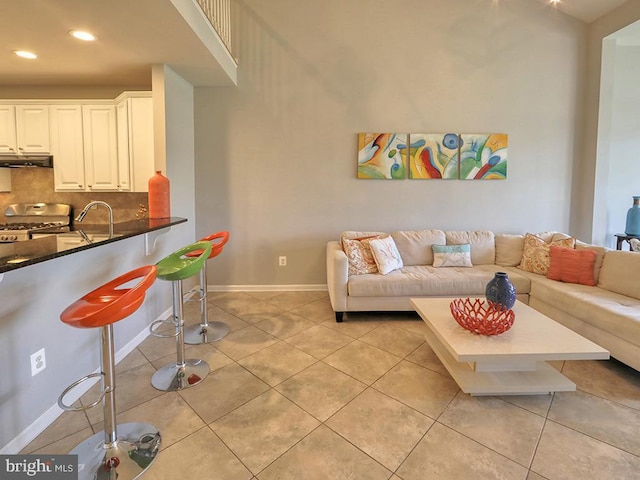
[[607, 312]]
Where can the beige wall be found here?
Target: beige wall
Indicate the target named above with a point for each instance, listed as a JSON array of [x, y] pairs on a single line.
[[276, 156], [590, 195]]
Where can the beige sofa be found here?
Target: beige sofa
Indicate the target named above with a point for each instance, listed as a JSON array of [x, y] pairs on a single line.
[[607, 313]]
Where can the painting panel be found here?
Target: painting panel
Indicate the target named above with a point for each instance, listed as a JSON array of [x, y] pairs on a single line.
[[483, 156], [382, 155], [434, 155]]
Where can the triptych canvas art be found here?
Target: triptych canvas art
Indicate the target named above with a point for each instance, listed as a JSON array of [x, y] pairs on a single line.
[[465, 156]]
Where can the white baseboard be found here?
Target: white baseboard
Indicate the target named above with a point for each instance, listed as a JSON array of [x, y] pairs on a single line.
[[25, 437], [267, 288]]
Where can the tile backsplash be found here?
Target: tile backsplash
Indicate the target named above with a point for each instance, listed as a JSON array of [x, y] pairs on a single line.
[[30, 185]]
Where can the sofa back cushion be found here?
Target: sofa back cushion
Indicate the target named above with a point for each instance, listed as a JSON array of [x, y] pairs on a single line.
[[619, 273], [483, 246], [509, 249], [600, 251], [415, 245]]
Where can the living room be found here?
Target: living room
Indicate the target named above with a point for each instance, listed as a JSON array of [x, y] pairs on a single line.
[[276, 160]]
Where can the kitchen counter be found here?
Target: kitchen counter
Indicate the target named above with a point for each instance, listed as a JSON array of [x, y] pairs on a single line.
[[80, 237]]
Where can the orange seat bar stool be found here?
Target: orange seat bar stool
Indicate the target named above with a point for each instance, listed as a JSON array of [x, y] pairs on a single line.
[[180, 265], [207, 331], [122, 451]]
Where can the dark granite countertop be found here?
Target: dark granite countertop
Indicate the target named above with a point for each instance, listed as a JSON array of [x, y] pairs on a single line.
[[81, 237]]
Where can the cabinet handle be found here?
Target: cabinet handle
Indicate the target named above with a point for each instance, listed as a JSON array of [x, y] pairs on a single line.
[[20, 148], [79, 186]]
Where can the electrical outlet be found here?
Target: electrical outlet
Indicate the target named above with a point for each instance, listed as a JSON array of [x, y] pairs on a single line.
[[282, 261], [38, 362]]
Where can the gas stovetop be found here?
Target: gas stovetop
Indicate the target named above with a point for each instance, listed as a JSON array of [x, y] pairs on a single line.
[[26, 218]]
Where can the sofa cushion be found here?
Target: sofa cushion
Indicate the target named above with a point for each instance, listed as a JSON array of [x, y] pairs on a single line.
[[606, 310], [386, 254], [571, 266], [600, 251], [620, 273], [427, 280], [483, 247], [509, 249], [452, 255], [535, 256], [415, 245]]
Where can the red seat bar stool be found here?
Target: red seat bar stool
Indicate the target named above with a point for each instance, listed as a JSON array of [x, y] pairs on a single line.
[[183, 373], [207, 331], [122, 451]]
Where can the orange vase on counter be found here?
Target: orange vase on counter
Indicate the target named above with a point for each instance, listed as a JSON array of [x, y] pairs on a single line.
[[159, 197]]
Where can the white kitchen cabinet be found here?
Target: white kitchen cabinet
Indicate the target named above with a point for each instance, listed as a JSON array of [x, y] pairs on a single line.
[[24, 129], [32, 128], [100, 147], [135, 139], [67, 147], [8, 129]]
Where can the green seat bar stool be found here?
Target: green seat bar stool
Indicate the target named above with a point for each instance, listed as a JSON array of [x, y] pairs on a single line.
[[206, 331], [175, 268], [122, 451]]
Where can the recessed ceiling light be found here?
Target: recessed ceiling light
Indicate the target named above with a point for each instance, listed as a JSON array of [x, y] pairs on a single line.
[[25, 54], [81, 35]]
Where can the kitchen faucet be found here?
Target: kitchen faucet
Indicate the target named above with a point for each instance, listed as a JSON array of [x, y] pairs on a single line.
[[94, 204]]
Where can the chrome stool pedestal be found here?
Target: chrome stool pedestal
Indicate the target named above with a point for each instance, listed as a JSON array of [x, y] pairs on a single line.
[[124, 451], [206, 331], [184, 373]]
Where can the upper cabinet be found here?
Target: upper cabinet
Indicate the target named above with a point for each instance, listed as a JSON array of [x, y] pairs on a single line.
[[24, 129], [97, 145]]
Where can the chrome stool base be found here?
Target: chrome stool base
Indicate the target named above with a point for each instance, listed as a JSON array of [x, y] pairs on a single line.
[[175, 376], [197, 334], [135, 449]]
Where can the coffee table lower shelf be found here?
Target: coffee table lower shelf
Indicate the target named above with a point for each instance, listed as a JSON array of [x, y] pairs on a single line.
[[542, 380]]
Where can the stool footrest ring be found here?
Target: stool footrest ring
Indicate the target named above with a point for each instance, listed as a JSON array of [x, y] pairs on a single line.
[[194, 295], [156, 323], [70, 408]]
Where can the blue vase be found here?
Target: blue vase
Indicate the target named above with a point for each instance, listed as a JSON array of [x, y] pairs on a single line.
[[633, 218], [501, 290]]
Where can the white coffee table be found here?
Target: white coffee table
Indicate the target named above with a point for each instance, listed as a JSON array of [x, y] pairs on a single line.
[[514, 363]]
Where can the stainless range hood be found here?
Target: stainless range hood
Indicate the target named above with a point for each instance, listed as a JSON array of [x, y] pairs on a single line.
[[11, 160]]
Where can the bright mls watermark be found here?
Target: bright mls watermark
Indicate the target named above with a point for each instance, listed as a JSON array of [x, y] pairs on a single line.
[[39, 467]]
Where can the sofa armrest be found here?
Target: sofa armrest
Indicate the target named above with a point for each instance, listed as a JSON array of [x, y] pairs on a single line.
[[337, 276]]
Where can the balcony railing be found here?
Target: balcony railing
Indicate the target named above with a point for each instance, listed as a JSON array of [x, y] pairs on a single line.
[[219, 14]]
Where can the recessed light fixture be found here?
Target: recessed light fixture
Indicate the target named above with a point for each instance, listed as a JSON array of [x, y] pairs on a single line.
[[82, 35], [25, 54]]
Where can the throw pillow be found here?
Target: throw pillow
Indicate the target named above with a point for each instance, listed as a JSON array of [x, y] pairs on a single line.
[[452, 255], [535, 256], [572, 266], [359, 255], [385, 254]]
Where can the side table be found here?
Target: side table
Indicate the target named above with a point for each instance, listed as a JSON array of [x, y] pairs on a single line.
[[621, 237]]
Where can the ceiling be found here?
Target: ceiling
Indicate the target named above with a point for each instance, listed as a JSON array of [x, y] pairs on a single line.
[[131, 35]]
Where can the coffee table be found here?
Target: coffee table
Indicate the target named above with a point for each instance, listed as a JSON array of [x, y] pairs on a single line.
[[514, 363]]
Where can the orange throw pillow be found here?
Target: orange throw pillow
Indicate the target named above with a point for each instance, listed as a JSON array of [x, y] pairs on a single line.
[[572, 266]]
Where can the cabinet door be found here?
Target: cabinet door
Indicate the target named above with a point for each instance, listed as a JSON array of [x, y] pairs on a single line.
[[141, 142], [8, 129], [65, 122], [32, 128], [100, 147], [124, 162]]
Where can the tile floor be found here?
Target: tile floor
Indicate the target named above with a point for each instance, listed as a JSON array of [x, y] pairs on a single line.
[[294, 395]]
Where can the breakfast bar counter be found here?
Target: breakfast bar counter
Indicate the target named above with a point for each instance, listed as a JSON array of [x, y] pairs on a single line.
[[50, 245]]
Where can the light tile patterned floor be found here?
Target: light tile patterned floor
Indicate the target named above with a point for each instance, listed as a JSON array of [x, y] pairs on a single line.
[[294, 395]]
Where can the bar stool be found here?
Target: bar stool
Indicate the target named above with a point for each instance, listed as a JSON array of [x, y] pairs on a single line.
[[175, 268], [122, 451], [206, 332]]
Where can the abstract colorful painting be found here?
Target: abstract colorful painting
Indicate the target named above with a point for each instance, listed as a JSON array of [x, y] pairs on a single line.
[[433, 155], [483, 156], [382, 155]]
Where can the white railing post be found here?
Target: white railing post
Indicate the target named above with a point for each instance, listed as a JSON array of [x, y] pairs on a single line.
[[218, 12]]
